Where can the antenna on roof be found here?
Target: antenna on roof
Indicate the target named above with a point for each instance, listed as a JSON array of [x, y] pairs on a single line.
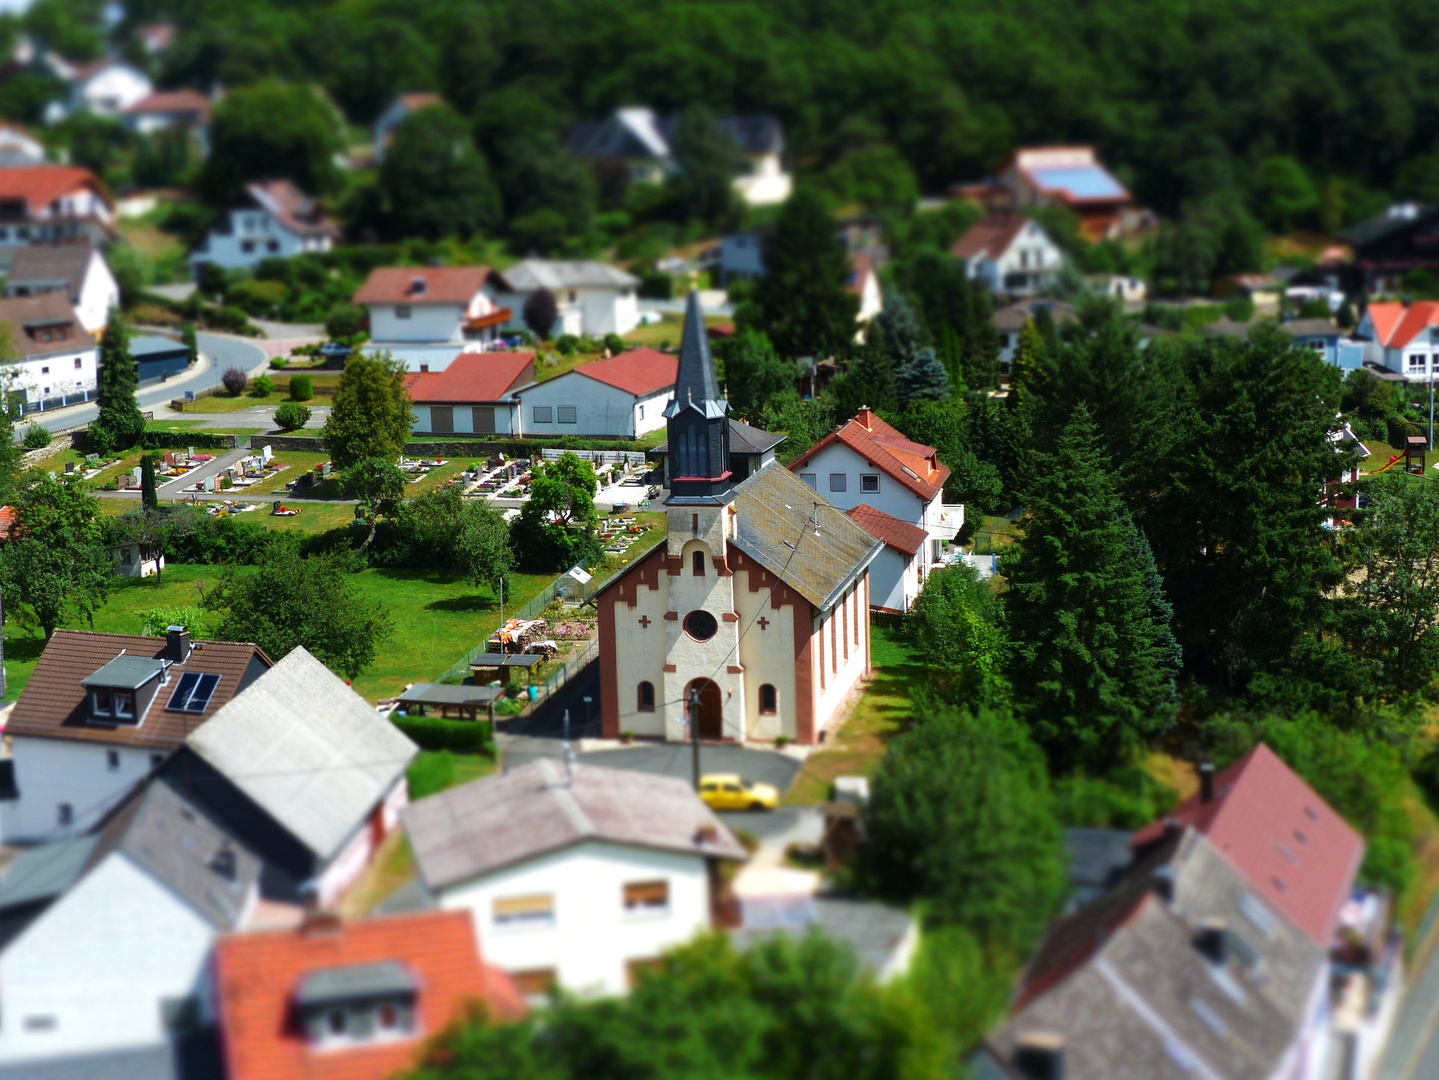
[[569, 763]]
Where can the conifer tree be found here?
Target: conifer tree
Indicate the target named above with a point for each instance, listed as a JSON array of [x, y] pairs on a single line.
[[120, 423], [870, 380], [803, 301], [924, 379], [148, 495], [1093, 670]]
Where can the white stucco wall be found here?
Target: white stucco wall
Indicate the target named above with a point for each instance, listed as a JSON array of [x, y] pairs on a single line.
[[49, 772], [254, 235], [99, 963], [592, 312], [50, 376], [427, 322], [640, 657], [99, 293], [840, 652], [894, 579], [768, 656], [112, 91], [349, 863], [592, 937], [600, 409], [464, 419]]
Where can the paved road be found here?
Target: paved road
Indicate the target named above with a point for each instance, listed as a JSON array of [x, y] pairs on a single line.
[[224, 352], [1413, 1050]]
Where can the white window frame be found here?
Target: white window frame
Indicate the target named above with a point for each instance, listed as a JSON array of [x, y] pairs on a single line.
[[838, 481]]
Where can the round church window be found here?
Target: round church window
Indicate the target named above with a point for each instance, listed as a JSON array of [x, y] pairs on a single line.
[[701, 625]]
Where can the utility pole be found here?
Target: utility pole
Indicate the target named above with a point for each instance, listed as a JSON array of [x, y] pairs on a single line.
[[694, 718]]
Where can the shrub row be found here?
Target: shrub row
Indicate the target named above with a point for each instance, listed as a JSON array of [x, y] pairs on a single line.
[[176, 440], [433, 733]]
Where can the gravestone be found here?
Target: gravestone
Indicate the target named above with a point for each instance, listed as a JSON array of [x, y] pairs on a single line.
[[266, 454]]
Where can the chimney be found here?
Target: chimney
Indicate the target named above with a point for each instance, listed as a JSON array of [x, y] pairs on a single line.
[[706, 834], [865, 417], [1039, 1055], [417, 286], [1210, 941], [1206, 782], [177, 644]]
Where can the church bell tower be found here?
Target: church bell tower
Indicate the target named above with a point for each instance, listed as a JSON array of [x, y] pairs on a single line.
[[698, 422]]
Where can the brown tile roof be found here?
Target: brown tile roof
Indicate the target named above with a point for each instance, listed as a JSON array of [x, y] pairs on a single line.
[[989, 236], [422, 285], [50, 264], [899, 535], [913, 464], [53, 703], [473, 377], [258, 975], [640, 372], [294, 209], [489, 824], [34, 318], [415, 102], [173, 101]]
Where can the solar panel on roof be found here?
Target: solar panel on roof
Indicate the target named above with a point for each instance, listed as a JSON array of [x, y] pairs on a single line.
[[194, 692], [1083, 182]]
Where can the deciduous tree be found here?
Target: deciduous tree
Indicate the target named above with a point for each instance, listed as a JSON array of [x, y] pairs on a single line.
[[370, 415], [435, 182], [55, 565], [803, 303]]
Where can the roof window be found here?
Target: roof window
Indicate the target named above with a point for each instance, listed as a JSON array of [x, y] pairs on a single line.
[[357, 1005], [194, 692]]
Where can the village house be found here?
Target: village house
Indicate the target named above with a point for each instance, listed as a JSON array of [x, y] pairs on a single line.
[[868, 462], [165, 110], [105, 88], [52, 204], [896, 575], [752, 620], [634, 145], [574, 875], [1068, 176], [77, 270], [1333, 345], [302, 770], [268, 219], [864, 284], [18, 147], [359, 1000], [1236, 944], [55, 359], [137, 560], [432, 304], [100, 713], [400, 110], [1402, 337], [474, 394], [108, 937], [1007, 253], [593, 298], [1010, 320], [623, 397], [1390, 246]]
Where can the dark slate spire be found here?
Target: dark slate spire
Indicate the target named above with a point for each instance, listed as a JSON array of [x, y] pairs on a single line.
[[697, 384], [698, 420]]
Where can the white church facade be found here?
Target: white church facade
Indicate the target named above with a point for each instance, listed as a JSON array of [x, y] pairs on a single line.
[[755, 612]]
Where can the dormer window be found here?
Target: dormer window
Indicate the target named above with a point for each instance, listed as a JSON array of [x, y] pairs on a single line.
[[358, 1005], [121, 690]]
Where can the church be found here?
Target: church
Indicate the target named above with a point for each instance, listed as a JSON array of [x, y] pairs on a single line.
[[754, 614]]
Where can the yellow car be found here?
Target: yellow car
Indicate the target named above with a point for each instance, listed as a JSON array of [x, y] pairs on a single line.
[[730, 791]]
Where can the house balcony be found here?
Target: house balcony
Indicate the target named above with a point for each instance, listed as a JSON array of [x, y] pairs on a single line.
[[480, 324]]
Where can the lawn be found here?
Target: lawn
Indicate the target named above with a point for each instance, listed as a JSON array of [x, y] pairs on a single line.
[[325, 384], [882, 712], [435, 620]]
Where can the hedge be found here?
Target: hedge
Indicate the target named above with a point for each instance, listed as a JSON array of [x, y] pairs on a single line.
[[433, 733], [176, 440], [453, 446]]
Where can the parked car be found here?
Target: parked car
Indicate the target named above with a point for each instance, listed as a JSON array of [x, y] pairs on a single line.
[[730, 791], [335, 350]]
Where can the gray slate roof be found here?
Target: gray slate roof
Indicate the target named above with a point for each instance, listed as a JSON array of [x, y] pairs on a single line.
[[43, 872], [798, 535], [1199, 1018], [192, 1057], [876, 932], [1311, 328], [531, 274], [743, 439], [166, 835], [356, 982], [444, 694], [487, 825], [307, 749], [125, 672], [696, 385]]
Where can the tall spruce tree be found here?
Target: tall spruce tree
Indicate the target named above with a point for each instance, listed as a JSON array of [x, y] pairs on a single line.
[[924, 379], [120, 423], [148, 495], [802, 300], [1093, 670]]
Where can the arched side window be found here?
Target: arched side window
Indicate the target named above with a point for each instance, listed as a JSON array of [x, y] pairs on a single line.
[[768, 700], [697, 562], [647, 697]]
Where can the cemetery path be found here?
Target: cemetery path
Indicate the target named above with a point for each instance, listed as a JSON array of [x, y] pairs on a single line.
[[212, 467]]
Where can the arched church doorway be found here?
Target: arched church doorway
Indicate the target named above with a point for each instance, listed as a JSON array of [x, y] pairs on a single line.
[[710, 707]]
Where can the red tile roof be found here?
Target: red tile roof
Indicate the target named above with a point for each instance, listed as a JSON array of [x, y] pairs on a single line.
[[1278, 833], [913, 464], [40, 185], [172, 101], [473, 377], [441, 285], [894, 533], [257, 975], [1396, 325], [640, 372], [7, 519], [415, 102], [989, 236]]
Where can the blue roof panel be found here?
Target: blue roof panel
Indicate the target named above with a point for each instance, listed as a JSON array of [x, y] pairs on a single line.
[[1083, 182]]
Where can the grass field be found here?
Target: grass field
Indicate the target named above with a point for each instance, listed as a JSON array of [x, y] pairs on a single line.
[[882, 712], [325, 384]]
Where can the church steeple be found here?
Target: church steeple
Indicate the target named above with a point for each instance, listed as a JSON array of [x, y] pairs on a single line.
[[698, 419]]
